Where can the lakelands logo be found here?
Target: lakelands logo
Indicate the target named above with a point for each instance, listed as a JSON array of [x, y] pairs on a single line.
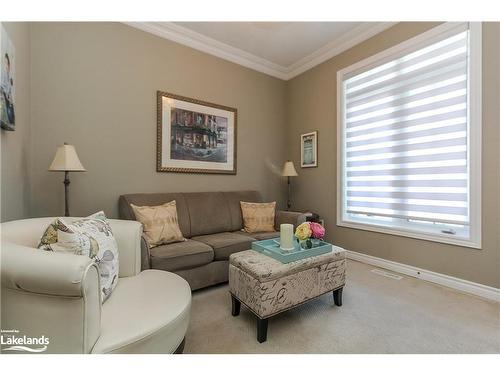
[[12, 340]]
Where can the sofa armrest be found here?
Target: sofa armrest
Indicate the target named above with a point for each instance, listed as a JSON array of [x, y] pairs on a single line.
[[145, 254], [52, 294], [289, 217], [128, 235]]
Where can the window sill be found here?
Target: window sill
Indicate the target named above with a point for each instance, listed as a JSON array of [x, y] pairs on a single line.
[[411, 234]]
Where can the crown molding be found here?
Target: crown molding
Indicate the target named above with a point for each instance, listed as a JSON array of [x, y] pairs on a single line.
[[187, 37], [190, 38], [336, 47]]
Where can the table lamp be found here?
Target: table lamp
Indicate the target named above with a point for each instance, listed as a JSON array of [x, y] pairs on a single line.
[[66, 160], [289, 171]]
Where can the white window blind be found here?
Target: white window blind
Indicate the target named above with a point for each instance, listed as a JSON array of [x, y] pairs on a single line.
[[406, 137]]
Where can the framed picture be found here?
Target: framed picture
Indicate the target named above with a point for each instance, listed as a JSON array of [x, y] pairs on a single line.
[[195, 136], [309, 150], [7, 88]]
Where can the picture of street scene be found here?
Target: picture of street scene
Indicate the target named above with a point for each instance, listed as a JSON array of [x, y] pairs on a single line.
[[198, 136]]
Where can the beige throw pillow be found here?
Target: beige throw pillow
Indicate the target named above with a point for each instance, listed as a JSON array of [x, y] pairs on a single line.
[[160, 223], [258, 217]]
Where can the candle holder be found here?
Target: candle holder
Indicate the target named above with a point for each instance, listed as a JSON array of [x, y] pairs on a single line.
[[286, 237]]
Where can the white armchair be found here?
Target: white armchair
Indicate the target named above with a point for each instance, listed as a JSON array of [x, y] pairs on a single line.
[[57, 295]]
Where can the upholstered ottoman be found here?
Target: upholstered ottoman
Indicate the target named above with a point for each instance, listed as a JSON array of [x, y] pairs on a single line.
[[268, 287]]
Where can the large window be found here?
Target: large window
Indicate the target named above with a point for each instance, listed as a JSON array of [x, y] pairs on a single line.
[[409, 136]]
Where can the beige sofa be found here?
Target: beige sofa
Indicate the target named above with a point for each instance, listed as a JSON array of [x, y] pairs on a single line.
[[58, 295], [212, 224]]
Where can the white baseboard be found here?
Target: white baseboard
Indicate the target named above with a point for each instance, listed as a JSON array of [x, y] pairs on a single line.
[[469, 287]]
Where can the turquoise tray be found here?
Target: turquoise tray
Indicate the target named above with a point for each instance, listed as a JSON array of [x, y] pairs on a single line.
[[272, 248]]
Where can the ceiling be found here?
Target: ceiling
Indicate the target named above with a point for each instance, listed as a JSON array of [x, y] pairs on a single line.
[[282, 43], [281, 49]]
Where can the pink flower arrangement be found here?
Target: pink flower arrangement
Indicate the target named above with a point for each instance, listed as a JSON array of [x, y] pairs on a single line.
[[317, 230], [307, 230]]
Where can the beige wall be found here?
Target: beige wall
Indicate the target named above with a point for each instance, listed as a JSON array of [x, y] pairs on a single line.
[[15, 150], [311, 105], [94, 85]]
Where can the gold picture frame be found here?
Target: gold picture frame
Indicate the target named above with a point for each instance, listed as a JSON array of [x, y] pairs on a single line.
[[194, 136]]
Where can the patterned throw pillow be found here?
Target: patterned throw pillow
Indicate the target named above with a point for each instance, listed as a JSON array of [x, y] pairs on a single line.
[[160, 223], [91, 236], [258, 217]]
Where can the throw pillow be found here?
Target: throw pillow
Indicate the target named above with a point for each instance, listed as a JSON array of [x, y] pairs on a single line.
[[90, 236], [160, 223], [258, 217]]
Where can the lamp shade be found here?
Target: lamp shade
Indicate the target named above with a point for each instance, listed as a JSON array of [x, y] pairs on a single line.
[[66, 159], [289, 169]]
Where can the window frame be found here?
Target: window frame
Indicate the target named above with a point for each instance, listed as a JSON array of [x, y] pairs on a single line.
[[473, 136]]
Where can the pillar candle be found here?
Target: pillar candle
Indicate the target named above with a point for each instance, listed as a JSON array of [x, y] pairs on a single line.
[[286, 237]]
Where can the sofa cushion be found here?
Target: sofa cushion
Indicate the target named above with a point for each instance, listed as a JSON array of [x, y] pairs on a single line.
[[259, 236], [156, 199], [180, 255], [147, 313], [225, 244], [233, 199], [209, 213]]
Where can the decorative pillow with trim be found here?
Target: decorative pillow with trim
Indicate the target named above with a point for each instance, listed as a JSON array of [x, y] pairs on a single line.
[[161, 225], [258, 217], [90, 236]]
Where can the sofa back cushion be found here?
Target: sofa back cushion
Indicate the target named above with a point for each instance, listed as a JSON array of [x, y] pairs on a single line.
[[198, 213], [156, 199], [209, 213], [233, 199]]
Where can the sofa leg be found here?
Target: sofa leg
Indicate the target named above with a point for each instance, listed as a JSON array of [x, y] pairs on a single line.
[[180, 348], [261, 330], [235, 306], [337, 297]]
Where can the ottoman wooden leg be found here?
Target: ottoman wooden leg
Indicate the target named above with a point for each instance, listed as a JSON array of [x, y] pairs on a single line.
[[235, 306], [337, 297], [261, 330]]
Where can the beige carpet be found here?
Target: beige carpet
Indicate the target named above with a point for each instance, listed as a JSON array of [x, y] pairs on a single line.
[[379, 315]]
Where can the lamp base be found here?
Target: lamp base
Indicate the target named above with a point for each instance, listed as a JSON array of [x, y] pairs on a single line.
[[66, 183], [288, 201]]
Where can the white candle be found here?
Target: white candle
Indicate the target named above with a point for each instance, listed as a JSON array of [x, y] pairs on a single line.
[[286, 236]]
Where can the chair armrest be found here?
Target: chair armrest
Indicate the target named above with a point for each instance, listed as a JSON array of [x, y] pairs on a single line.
[[44, 272], [145, 254], [128, 237], [52, 294], [289, 217]]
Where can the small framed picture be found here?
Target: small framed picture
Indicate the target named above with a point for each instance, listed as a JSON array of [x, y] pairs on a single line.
[[309, 150]]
